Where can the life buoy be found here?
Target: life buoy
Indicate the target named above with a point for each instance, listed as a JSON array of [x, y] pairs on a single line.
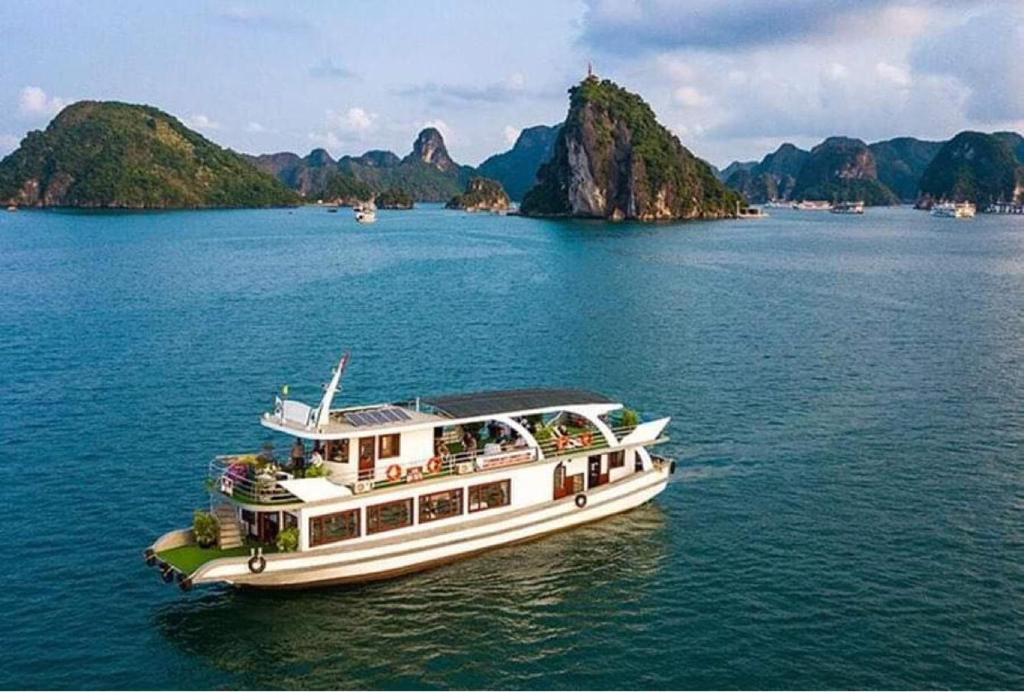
[[413, 475], [257, 563], [562, 442], [581, 500], [394, 472], [434, 465]]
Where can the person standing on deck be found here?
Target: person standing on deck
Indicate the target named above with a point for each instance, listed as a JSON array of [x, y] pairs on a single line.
[[298, 457]]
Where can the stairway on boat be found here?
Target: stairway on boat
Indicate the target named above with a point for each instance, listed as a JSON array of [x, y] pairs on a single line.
[[229, 531]]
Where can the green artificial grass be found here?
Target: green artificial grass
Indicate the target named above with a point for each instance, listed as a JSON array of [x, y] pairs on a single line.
[[189, 558]]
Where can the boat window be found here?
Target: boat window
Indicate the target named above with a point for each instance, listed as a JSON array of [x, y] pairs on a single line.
[[389, 516], [331, 528], [638, 462], [388, 446], [489, 495], [337, 451], [616, 460], [440, 505]]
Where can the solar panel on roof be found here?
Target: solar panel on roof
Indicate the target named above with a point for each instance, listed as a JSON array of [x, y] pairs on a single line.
[[381, 416]]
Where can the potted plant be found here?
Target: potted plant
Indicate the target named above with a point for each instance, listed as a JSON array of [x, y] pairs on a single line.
[[205, 528], [288, 540]]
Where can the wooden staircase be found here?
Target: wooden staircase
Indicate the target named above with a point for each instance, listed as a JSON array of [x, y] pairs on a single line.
[[230, 534]]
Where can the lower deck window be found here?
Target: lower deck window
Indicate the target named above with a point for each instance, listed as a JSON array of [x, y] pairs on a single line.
[[616, 460], [389, 516], [489, 495], [440, 505], [331, 528]]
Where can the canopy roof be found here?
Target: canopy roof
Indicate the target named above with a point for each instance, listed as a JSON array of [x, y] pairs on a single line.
[[511, 400]]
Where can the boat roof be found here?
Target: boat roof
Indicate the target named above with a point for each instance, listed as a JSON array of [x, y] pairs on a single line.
[[504, 401]]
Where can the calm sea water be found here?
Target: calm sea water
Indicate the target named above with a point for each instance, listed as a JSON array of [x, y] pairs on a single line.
[[848, 403]]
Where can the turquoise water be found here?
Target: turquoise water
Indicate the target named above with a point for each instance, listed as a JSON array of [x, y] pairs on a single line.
[[848, 404]]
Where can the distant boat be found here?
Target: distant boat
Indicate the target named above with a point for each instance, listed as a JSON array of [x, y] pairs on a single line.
[[777, 204], [813, 205], [957, 210], [848, 208], [366, 213], [12, 208], [332, 210], [750, 213]]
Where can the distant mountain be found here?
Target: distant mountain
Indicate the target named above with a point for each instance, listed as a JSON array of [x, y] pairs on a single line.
[[119, 155], [482, 194], [732, 169], [773, 178], [306, 175], [901, 162], [975, 167], [612, 159], [516, 169], [842, 169]]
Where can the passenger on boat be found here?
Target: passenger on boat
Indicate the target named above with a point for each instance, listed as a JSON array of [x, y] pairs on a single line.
[[316, 459], [469, 442], [298, 457]]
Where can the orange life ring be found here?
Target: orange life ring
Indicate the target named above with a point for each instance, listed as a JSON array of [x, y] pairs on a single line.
[[434, 465], [394, 472], [562, 442]]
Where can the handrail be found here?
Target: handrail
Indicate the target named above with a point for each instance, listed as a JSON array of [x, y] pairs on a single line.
[[237, 477]]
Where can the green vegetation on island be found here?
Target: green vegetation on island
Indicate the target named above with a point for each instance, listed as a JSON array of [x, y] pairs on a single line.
[[612, 159], [974, 167], [842, 169], [119, 155], [482, 194], [516, 169], [394, 198]]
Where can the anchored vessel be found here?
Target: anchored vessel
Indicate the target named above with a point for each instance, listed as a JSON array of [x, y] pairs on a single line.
[[366, 213], [385, 489], [954, 210], [848, 208]]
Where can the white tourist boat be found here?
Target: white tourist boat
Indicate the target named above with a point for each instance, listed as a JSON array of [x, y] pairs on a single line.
[[366, 213], [954, 210], [813, 205], [848, 208], [375, 491]]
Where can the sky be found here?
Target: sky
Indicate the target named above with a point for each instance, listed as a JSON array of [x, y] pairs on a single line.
[[732, 79]]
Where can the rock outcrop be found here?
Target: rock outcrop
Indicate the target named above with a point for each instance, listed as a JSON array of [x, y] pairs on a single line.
[[842, 169], [119, 155], [974, 167], [516, 169], [901, 162], [482, 194], [772, 178], [394, 198], [613, 160]]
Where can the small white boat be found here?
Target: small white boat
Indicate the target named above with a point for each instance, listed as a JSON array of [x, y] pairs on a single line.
[[813, 205], [394, 488], [366, 213], [750, 213], [848, 208], [12, 208], [954, 210]]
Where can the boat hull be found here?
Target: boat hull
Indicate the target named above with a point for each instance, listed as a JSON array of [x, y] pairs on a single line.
[[386, 558]]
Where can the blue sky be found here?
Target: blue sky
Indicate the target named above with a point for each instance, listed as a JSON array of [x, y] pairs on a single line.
[[733, 80]]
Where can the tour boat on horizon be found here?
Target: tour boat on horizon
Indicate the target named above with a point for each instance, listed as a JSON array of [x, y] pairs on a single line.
[[813, 205], [954, 210], [848, 208], [366, 213], [393, 488]]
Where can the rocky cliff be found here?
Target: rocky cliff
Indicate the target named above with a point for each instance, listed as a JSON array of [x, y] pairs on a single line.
[[842, 169], [119, 155], [482, 194], [772, 178], [974, 167], [613, 160], [901, 162], [516, 169]]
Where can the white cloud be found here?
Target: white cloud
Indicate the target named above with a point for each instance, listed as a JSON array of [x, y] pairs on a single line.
[[355, 119], [255, 127], [511, 134], [201, 122], [691, 97], [34, 102], [900, 76], [8, 143]]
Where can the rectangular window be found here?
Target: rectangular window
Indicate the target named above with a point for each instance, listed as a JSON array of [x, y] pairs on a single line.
[[440, 505], [388, 446], [489, 495], [616, 460], [331, 528], [388, 516], [337, 450]]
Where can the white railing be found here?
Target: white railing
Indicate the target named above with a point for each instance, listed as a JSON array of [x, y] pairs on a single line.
[[445, 465], [244, 480]]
